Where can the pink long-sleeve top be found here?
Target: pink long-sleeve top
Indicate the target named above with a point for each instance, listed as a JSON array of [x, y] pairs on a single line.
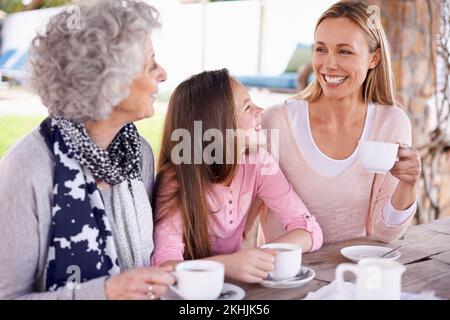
[[258, 176]]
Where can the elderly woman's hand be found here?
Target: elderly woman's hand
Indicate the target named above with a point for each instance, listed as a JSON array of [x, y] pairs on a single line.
[[408, 167], [139, 284]]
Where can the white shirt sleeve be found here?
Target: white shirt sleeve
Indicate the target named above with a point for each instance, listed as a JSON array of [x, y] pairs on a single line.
[[396, 217]]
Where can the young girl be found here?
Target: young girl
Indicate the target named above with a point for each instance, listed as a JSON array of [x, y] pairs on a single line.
[[202, 209]]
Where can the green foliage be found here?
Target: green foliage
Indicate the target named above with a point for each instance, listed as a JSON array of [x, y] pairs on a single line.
[[15, 127], [12, 6]]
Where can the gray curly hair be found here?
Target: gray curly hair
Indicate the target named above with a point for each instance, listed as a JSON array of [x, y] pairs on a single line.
[[82, 71]]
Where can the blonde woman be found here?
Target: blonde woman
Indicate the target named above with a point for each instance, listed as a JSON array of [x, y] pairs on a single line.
[[351, 99]]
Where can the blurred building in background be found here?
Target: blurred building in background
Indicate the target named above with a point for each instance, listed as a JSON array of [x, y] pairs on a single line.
[[254, 37]]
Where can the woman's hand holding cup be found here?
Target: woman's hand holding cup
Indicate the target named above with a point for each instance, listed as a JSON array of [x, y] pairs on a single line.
[[408, 166], [139, 284]]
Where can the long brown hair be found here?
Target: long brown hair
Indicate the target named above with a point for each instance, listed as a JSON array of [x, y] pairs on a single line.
[[379, 84], [205, 97]]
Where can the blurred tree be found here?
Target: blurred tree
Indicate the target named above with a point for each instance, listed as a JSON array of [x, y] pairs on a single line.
[[419, 34], [11, 6]]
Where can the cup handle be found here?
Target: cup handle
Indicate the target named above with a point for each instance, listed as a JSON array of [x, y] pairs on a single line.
[[340, 270], [173, 288]]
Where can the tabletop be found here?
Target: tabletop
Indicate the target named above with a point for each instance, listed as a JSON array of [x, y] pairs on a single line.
[[425, 252]]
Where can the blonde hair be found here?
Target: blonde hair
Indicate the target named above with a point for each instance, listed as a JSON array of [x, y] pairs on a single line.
[[379, 84]]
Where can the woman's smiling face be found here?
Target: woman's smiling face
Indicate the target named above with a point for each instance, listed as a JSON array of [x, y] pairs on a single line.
[[342, 57], [139, 103]]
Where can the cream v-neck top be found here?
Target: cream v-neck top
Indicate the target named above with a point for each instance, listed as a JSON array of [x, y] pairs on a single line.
[[298, 114], [349, 205]]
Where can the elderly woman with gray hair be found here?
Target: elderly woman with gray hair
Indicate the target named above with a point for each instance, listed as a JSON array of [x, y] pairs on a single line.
[[75, 214]]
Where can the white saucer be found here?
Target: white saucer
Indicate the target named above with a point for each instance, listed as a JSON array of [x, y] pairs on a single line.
[[229, 292], [356, 253], [305, 275]]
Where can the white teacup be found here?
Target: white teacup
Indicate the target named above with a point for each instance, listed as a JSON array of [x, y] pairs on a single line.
[[288, 260], [377, 157], [199, 279], [376, 279]]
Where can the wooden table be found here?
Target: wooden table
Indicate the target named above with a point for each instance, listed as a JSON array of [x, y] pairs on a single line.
[[425, 253]]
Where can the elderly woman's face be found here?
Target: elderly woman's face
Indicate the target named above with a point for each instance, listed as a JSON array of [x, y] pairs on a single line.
[[341, 57], [139, 104]]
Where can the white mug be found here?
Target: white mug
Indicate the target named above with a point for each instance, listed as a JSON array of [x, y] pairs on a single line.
[[377, 157], [199, 279], [288, 260], [376, 279]]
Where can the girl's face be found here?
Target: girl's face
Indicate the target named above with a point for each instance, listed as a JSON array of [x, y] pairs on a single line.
[[248, 114], [342, 57], [139, 103]]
